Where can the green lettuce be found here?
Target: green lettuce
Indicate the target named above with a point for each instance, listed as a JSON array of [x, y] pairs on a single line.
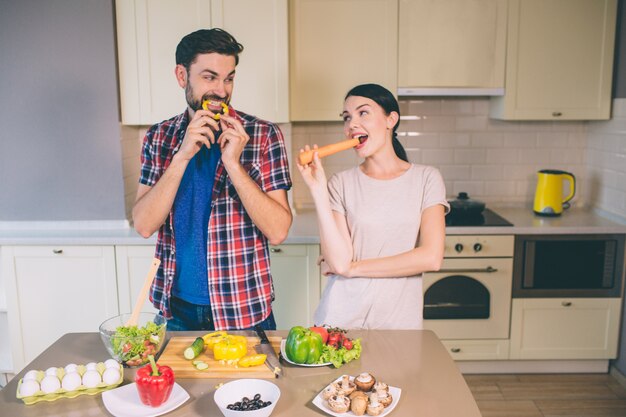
[[340, 356]]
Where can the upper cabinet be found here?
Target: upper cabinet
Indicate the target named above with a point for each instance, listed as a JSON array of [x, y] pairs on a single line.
[[559, 60], [149, 31], [336, 45], [455, 44]]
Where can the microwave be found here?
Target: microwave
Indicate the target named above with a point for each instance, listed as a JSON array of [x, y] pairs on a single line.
[[568, 265]]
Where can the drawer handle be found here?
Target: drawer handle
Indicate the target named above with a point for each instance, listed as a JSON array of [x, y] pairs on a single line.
[[489, 269], [566, 303], [455, 350], [276, 250], [57, 251], [557, 114]]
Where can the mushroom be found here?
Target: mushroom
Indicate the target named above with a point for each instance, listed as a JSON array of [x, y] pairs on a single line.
[[329, 391], [384, 397], [364, 381], [359, 404], [345, 385], [339, 403], [379, 385], [375, 407], [358, 393]]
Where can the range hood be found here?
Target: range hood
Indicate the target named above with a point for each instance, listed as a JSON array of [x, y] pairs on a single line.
[[451, 91]]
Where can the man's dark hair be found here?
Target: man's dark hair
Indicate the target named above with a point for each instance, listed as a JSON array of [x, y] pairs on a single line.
[[206, 41]]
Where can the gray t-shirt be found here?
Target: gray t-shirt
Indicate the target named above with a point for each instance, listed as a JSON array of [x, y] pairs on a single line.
[[384, 218]]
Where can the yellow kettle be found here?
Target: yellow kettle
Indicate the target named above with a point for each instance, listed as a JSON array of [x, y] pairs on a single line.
[[549, 199]]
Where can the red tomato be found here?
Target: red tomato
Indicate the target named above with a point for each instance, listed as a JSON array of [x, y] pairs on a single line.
[[335, 339], [347, 343], [127, 347], [322, 332]]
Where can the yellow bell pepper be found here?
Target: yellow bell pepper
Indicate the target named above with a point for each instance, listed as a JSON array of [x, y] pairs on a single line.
[[230, 347], [210, 339], [252, 360]]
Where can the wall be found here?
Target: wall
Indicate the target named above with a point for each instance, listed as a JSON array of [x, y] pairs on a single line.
[[492, 160], [60, 136]]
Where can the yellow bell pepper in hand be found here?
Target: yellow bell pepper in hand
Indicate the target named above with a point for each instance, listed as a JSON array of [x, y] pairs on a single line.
[[230, 347]]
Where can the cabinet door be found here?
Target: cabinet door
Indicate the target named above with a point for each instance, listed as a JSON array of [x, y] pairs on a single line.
[[147, 34], [296, 284], [56, 290], [559, 60], [132, 264], [262, 81], [453, 43], [336, 45], [576, 328]]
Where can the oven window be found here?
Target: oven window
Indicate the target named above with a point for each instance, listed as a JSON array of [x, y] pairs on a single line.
[[571, 265], [456, 297]]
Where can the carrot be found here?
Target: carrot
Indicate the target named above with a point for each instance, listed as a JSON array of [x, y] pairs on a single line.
[[307, 156]]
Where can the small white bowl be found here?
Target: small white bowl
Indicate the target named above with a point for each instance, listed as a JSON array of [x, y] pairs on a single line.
[[234, 391]]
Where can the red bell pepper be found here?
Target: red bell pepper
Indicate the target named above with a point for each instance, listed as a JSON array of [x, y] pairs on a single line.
[[154, 383]]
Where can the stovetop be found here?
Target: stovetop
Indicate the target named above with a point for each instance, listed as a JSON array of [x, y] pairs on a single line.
[[487, 218]]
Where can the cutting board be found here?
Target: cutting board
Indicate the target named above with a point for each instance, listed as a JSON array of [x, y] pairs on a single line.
[[172, 356]]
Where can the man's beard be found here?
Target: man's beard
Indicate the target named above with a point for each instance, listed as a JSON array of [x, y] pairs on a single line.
[[196, 105]]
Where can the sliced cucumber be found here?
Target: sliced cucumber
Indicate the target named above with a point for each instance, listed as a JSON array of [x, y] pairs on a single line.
[[195, 349], [201, 366]]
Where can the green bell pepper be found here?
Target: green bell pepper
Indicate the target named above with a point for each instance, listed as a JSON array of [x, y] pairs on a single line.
[[303, 345]]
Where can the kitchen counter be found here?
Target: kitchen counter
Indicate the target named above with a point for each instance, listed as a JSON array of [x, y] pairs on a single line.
[[304, 229], [412, 360]]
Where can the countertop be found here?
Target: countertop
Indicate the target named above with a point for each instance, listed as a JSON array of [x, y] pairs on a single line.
[[413, 360], [304, 229]]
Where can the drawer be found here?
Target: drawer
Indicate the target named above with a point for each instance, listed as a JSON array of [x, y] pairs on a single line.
[[471, 350]]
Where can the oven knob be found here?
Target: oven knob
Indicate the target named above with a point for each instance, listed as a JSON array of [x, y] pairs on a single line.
[[478, 247], [458, 247]]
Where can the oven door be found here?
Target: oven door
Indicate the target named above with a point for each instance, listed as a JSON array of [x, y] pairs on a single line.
[[469, 298]]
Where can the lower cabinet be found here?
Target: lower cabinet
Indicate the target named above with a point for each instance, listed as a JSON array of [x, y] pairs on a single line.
[[132, 265], [477, 350], [53, 290], [573, 328], [296, 278]]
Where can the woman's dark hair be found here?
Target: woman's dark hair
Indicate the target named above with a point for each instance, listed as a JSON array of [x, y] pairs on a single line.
[[206, 41], [383, 97]]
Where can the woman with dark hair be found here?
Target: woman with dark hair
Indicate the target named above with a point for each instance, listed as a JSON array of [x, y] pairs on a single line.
[[381, 223]]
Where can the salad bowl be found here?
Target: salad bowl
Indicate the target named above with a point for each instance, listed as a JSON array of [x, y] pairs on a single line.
[[131, 345]]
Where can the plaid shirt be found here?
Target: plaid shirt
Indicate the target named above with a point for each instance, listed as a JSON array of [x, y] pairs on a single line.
[[239, 278]]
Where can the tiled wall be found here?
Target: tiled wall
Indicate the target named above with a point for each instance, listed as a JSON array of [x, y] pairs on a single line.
[[606, 156], [492, 160]]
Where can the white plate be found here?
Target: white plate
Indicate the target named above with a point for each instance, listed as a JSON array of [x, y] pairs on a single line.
[[319, 401], [124, 402], [284, 355]]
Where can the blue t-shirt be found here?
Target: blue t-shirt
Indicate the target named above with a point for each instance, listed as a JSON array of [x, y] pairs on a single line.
[[192, 208]]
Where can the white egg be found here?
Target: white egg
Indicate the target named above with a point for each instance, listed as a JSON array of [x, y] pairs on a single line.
[[69, 368], [91, 378], [30, 375], [52, 371], [112, 363], [91, 366], [28, 387], [71, 381], [50, 384], [111, 376]]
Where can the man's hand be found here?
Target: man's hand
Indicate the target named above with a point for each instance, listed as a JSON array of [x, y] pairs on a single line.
[[200, 131], [232, 140]]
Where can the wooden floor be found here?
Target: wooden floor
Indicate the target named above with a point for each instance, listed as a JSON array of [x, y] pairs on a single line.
[[571, 395]]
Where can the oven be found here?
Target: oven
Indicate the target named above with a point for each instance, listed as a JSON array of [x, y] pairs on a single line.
[[470, 296]]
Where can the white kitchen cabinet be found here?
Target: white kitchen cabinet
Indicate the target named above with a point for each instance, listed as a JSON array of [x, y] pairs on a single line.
[[53, 290], [477, 350], [132, 265], [572, 328], [559, 60], [336, 45], [296, 278], [456, 44], [149, 31]]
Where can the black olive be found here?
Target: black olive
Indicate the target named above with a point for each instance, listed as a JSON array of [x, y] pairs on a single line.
[[257, 396], [245, 400]]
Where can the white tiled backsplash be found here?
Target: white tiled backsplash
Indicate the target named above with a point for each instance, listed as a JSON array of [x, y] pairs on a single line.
[[495, 161], [492, 160]]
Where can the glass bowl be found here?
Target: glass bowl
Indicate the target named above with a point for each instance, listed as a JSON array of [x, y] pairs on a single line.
[[132, 345]]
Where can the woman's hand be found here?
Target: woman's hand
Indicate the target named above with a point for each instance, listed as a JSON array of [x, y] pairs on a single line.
[[313, 173], [326, 270]]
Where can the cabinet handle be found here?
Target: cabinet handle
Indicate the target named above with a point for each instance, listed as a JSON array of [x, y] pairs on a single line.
[[566, 303], [489, 269], [276, 250], [557, 114], [57, 251], [455, 350]]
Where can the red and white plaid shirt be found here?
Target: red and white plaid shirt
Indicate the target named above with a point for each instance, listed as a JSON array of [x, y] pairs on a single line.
[[239, 278]]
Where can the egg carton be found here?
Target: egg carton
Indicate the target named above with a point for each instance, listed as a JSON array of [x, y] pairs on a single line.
[[63, 393]]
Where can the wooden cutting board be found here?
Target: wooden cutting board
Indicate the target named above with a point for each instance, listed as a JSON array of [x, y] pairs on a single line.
[[172, 356]]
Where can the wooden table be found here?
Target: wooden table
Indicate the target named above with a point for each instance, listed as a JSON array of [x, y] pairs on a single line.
[[412, 360]]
